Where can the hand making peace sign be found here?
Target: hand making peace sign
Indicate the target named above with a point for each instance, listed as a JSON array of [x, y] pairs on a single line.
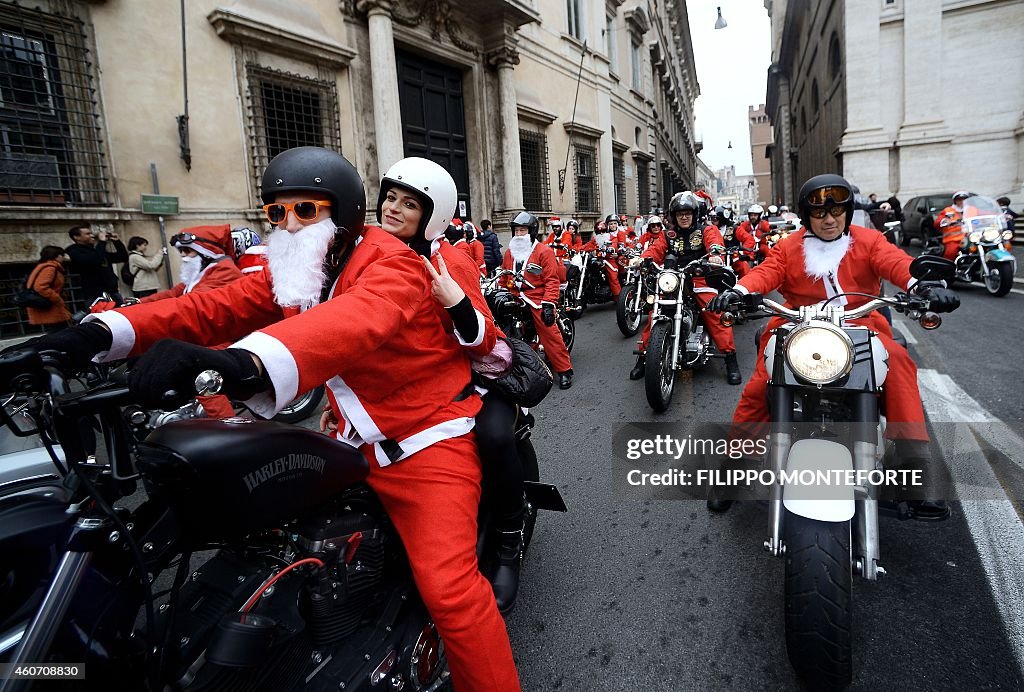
[[444, 288]]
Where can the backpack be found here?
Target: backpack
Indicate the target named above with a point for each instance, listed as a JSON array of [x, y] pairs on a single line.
[[127, 276], [25, 297]]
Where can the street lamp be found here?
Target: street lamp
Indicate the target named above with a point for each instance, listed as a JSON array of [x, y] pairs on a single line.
[[720, 23]]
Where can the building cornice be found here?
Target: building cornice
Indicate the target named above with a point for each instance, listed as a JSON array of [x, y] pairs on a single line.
[[283, 37]]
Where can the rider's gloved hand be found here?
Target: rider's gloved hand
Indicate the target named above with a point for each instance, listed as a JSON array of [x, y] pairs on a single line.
[[724, 300], [939, 299], [547, 313], [172, 366], [81, 343]]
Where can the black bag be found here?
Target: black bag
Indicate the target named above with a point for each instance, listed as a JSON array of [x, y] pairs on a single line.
[[25, 297], [127, 275], [528, 380]]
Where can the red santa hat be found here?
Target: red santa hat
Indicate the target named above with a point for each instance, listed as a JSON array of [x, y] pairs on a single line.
[[554, 221], [208, 241]]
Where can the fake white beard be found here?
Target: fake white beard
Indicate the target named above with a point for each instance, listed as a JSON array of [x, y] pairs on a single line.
[[191, 268], [603, 238], [296, 262], [822, 258], [521, 247]]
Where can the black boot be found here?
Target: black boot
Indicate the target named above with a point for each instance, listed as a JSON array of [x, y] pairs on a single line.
[[565, 379], [732, 369], [916, 454], [505, 581], [637, 372]]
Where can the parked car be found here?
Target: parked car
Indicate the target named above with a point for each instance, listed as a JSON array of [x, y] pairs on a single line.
[[919, 216]]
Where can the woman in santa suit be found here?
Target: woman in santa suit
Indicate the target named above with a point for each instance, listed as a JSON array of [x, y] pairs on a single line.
[[828, 257], [416, 198]]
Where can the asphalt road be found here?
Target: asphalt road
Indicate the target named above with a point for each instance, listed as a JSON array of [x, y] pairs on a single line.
[[624, 593]]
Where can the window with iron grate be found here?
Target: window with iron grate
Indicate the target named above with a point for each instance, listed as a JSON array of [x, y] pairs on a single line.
[[643, 187], [533, 157], [586, 179], [51, 144], [619, 179], [288, 110]]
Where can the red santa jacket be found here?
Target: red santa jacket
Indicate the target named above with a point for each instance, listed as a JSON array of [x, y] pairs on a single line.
[[474, 251], [540, 275], [645, 240], [220, 273], [751, 237], [870, 258], [391, 370], [461, 269]]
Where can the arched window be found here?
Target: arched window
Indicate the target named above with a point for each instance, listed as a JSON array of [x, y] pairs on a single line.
[[835, 58]]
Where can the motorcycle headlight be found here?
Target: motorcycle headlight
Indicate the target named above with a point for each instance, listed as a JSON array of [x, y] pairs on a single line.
[[668, 282], [1007, 235], [990, 235], [819, 354], [975, 236]]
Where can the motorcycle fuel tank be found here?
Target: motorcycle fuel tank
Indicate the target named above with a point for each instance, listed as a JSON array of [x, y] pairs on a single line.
[[235, 476]]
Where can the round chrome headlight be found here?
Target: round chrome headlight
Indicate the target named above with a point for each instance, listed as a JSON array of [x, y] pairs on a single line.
[[990, 235], [819, 354], [975, 237], [668, 282], [1007, 235]]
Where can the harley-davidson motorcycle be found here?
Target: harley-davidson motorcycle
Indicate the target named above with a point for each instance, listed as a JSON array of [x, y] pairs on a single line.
[[631, 305], [512, 312], [678, 339], [983, 256], [592, 287], [826, 376], [308, 588]]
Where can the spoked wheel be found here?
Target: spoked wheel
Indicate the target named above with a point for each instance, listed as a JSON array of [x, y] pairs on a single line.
[[659, 367], [301, 408], [627, 315], [819, 600], [999, 279], [568, 329]]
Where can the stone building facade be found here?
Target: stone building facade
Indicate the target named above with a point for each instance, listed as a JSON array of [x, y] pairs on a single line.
[[561, 107], [760, 143], [901, 97]]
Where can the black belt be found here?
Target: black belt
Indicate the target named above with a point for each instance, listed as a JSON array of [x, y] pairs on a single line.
[[394, 451]]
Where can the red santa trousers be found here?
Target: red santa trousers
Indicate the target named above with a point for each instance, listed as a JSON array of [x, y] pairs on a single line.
[[433, 498], [551, 340], [900, 396], [613, 279]]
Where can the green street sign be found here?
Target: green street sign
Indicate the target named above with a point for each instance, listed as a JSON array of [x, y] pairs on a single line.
[[163, 205]]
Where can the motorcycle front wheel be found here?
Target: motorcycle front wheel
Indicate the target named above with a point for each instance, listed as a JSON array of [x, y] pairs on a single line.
[[301, 408], [819, 600], [999, 279], [659, 366], [626, 317]]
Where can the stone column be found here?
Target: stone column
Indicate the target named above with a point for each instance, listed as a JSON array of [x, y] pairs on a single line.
[[387, 113], [505, 59]]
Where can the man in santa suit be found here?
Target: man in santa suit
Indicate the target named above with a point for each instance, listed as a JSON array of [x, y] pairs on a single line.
[[541, 272], [689, 239], [951, 225], [751, 233], [825, 258], [206, 261], [476, 247], [653, 232], [554, 234], [351, 308], [607, 239]]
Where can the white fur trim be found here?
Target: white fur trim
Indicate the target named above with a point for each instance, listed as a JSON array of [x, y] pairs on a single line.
[[121, 331], [354, 413], [479, 332], [280, 367], [424, 438]]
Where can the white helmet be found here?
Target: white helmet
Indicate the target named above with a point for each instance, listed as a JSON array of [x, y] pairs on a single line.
[[432, 184], [755, 209], [655, 219]]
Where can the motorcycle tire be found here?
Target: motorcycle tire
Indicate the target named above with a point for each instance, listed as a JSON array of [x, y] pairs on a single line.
[[567, 327], [531, 472], [819, 600], [628, 321], [301, 408], [999, 280], [659, 366]]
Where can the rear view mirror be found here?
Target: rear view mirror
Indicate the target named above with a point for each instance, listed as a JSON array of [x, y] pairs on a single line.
[[932, 268]]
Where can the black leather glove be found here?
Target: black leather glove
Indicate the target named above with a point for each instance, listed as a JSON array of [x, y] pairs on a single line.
[[172, 366], [81, 343], [547, 313], [939, 299], [724, 300]]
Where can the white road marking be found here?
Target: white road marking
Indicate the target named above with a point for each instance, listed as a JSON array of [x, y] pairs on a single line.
[[996, 527], [903, 327], [1017, 291]]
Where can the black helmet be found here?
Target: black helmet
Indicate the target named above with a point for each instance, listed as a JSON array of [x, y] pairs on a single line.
[[686, 201], [612, 217], [316, 169], [821, 190], [526, 219]]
